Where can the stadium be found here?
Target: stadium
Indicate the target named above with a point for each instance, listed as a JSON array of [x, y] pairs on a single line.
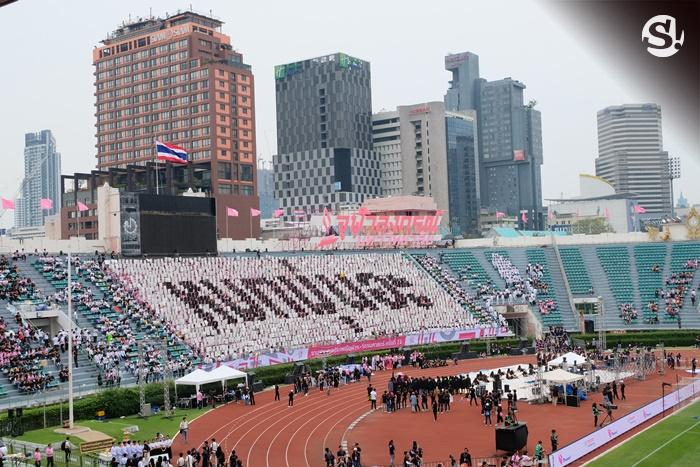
[[398, 287], [280, 355]]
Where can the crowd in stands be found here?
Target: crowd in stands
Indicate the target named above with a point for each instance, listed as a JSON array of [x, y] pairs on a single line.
[[120, 320], [13, 286], [236, 306], [481, 306], [21, 353], [628, 312], [519, 288]]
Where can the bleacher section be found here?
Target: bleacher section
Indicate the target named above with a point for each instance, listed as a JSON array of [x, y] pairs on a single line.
[[616, 264], [553, 318], [576, 272], [650, 260]]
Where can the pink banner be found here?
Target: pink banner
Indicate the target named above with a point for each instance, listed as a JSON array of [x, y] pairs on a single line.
[[409, 340], [360, 346]]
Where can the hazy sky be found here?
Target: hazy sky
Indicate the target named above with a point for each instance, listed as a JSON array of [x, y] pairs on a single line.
[[46, 80]]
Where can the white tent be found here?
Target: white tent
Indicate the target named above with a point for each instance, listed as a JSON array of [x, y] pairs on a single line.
[[570, 357], [199, 377], [560, 376]]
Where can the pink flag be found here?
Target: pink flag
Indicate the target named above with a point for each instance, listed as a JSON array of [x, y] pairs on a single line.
[[45, 203], [230, 212], [607, 213], [299, 213], [82, 207], [328, 240], [639, 210], [578, 212], [278, 213], [439, 212], [326, 220], [550, 215], [500, 214], [8, 204], [524, 217], [253, 212]]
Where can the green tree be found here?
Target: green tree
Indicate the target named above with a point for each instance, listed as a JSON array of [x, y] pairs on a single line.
[[592, 226]]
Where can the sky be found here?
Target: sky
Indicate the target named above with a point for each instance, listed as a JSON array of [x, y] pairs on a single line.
[[47, 74]]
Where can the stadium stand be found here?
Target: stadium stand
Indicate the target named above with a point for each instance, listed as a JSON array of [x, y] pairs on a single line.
[[616, 264], [576, 271], [234, 306]]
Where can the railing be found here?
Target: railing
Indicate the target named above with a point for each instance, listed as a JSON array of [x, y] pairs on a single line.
[[21, 452]]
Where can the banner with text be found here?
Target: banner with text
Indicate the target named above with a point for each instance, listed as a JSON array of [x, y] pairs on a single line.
[[413, 339], [576, 450]]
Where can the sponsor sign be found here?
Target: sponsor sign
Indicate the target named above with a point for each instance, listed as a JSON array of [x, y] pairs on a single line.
[[316, 351], [576, 450]]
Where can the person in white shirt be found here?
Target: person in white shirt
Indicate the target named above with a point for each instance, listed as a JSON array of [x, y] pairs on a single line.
[[184, 428]]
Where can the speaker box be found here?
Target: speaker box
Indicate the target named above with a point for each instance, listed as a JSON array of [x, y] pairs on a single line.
[[589, 326], [10, 413], [464, 348], [506, 388], [18, 411], [511, 438]]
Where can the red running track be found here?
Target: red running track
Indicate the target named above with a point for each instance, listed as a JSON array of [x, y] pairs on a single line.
[[272, 434]]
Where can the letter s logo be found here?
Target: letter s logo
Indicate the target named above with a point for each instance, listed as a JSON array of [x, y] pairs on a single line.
[[660, 38]]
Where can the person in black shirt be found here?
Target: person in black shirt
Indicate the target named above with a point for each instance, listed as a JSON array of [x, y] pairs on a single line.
[[328, 457], [277, 392], [392, 452], [465, 458]]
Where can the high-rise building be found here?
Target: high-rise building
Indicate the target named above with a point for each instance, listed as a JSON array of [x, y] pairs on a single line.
[[463, 173], [42, 179], [631, 154], [426, 151], [386, 137], [266, 192], [463, 93], [324, 134], [179, 80], [509, 139]]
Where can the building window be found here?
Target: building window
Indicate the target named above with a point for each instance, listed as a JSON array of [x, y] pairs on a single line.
[[247, 190], [246, 172], [224, 189], [224, 169]]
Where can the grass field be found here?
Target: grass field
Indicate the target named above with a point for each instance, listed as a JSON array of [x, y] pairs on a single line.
[[674, 442], [148, 427]]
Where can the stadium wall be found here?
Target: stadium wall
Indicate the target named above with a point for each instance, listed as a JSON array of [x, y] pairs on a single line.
[[589, 443]]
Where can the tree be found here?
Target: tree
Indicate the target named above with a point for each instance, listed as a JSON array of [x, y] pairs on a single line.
[[592, 226]]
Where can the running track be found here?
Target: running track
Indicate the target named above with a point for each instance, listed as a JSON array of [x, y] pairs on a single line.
[[272, 434]]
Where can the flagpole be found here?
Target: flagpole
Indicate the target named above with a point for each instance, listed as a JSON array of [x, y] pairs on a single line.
[[70, 340]]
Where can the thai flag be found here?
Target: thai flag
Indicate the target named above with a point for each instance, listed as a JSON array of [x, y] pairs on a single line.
[[171, 153]]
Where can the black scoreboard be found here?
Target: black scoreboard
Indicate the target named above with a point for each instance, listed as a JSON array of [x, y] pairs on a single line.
[[165, 225]]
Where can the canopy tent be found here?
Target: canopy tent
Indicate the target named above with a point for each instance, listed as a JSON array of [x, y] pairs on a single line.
[[570, 357], [560, 376], [199, 377]]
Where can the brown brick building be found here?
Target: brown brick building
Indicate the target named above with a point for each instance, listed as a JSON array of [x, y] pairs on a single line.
[[179, 80]]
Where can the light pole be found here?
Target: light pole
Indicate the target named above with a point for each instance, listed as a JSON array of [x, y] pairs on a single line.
[[674, 172]]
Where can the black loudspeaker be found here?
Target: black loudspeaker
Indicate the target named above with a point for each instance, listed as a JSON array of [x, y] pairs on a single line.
[[18, 410], [572, 401], [511, 438], [523, 342], [350, 359], [10, 413], [506, 388], [589, 326], [464, 348]]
